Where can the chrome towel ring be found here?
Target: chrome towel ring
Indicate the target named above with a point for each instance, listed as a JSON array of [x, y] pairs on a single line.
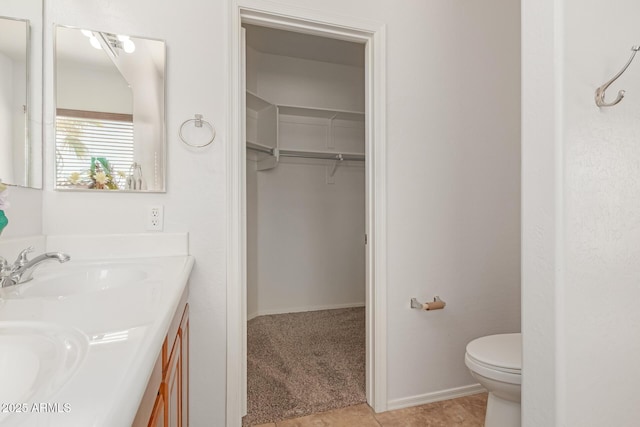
[[198, 122]]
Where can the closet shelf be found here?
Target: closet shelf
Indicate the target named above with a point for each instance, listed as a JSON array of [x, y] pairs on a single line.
[[256, 103], [321, 113], [263, 124]]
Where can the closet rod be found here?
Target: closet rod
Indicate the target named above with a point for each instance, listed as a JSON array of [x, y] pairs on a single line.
[[307, 154], [321, 155], [260, 148]]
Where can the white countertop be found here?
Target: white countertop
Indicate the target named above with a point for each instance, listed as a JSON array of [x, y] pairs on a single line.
[[125, 327]]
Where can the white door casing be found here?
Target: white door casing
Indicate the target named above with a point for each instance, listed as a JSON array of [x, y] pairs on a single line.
[[372, 35]]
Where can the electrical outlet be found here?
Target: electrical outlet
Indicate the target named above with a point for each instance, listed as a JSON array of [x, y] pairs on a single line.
[[155, 218]]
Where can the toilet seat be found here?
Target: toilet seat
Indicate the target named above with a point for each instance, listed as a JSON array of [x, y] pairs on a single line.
[[497, 357]]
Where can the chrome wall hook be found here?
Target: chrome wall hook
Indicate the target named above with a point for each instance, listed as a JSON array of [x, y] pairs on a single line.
[[600, 92]]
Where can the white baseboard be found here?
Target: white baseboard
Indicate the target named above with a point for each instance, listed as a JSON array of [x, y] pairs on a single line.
[[303, 309], [437, 396]]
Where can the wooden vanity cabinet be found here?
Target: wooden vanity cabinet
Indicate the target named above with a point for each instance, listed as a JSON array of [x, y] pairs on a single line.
[[172, 385], [157, 415], [184, 342], [175, 371], [166, 400]]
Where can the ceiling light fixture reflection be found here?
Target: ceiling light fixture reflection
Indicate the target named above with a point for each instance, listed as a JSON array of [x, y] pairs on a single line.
[[94, 42], [127, 44], [111, 41]]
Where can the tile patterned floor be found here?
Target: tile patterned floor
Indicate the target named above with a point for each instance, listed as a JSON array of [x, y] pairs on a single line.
[[466, 411]]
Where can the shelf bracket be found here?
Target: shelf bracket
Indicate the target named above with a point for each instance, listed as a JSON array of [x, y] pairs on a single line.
[[269, 162], [331, 170], [331, 142]]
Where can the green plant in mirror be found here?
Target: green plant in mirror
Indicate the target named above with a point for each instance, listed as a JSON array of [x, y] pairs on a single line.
[[101, 174], [4, 193]]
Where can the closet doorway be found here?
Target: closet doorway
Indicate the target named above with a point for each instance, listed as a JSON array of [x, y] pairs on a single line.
[[306, 210], [286, 120]]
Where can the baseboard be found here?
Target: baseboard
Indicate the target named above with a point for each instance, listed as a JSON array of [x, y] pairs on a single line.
[[303, 309], [437, 396]]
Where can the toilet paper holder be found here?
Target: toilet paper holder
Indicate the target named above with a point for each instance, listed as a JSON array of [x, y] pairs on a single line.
[[436, 304]]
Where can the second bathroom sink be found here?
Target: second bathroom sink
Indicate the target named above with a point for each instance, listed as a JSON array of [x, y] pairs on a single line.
[[36, 360]]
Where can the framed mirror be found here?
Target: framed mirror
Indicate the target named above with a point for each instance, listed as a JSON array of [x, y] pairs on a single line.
[[110, 111], [21, 93]]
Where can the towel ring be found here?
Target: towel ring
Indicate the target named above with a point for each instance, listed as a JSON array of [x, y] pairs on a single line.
[[198, 122]]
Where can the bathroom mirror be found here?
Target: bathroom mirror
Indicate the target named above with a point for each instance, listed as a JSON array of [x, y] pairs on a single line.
[[21, 92], [110, 111]]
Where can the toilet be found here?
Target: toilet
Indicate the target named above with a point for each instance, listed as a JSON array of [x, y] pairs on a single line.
[[495, 361]]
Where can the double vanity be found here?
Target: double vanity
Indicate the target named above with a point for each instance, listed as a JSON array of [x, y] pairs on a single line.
[[100, 340]]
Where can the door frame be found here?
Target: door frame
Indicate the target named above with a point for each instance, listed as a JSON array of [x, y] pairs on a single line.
[[373, 36]]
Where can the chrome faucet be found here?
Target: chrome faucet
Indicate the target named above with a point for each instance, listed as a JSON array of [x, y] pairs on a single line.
[[22, 269]]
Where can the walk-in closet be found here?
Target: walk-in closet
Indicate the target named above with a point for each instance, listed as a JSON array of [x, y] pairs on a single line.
[[305, 224]]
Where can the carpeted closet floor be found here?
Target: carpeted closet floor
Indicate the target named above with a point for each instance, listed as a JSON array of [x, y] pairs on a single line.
[[303, 363]]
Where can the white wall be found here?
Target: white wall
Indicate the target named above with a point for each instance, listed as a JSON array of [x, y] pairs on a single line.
[[294, 81], [309, 235], [453, 175], [596, 180], [310, 252], [453, 186], [541, 211], [24, 214], [81, 86]]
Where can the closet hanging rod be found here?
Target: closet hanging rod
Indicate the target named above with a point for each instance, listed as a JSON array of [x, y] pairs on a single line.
[[260, 148], [322, 155], [306, 154]]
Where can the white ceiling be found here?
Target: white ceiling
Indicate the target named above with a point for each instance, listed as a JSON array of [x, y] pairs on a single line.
[[73, 46], [305, 46]]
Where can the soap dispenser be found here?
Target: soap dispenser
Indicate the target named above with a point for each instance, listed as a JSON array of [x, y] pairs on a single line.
[[135, 181]]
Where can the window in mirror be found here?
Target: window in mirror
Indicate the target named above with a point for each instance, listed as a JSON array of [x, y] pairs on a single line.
[[110, 131], [104, 138]]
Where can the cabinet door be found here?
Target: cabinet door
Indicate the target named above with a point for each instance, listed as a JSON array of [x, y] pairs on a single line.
[[173, 386], [184, 339], [157, 415]]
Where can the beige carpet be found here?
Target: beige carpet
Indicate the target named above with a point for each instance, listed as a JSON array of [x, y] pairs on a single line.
[[302, 363]]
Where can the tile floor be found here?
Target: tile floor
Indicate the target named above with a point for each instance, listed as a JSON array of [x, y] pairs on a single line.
[[465, 411]]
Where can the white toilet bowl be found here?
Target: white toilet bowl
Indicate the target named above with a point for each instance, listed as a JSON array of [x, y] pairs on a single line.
[[495, 361]]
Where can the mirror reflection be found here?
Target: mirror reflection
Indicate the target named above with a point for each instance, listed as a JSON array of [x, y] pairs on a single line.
[[110, 129], [14, 107]]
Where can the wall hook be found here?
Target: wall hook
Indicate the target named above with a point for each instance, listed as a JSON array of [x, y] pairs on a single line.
[[600, 92]]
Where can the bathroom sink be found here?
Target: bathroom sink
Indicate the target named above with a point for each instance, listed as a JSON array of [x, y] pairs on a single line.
[[81, 280], [36, 360]]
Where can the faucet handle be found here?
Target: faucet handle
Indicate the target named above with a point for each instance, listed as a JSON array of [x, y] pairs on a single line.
[[22, 257]]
